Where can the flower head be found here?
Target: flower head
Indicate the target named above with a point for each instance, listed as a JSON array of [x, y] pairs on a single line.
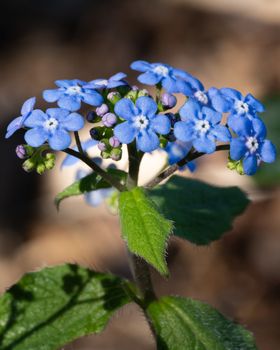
[[52, 127], [201, 126], [250, 145], [155, 73], [71, 93], [113, 82], [141, 123], [241, 106], [18, 122]]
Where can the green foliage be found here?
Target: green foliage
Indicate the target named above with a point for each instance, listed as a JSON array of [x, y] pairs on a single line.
[[88, 183], [47, 309], [269, 174], [201, 212], [144, 229], [187, 324]]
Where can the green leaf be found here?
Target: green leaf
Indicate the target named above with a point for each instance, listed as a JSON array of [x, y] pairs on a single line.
[[201, 212], [188, 324], [88, 183], [47, 309], [144, 228]]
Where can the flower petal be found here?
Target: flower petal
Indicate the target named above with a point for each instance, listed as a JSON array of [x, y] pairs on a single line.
[[256, 104], [125, 132], [52, 95], [221, 133], [170, 84], [28, 106], [231, 93], [250, 165], [149, 78], [218, 101], [268, 151], [147, 141], [125, 109], [259, 128], [240, 125], [36, 137], [237, 148], [211, 115], [92, 99], [190, 110], [72, 103], [141, 66], [183, 131], [73, 122], [57, 113], [59, 140], [161, 124], [118, 76], [36, 118], [147, 106], [204, 144]]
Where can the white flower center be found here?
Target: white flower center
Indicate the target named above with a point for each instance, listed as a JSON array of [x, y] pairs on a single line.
[[51, 124], [141, 122], [161, 70], [252, 144], [103, 82], [202, 126], [241, 107], [73, 90], [201, 97]]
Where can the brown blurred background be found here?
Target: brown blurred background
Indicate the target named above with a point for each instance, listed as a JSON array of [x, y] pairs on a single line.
[[224, 43]]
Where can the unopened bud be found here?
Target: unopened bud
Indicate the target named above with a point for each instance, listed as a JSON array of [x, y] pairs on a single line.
[[168, 100], [29, 165], [50, 161], [114, 97], [116, 154], [109, 120], [102, 146], [114, 142], [21, 152], [91, 117], [101, 110], [132, 95], [40, 168], [143, 92], [95, 133]]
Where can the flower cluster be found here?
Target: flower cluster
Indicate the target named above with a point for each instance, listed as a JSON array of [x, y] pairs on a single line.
[[122, 114]]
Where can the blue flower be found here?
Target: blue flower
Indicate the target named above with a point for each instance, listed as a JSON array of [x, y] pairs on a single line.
[[201, 126], [71, 160], [178, 150], [113, 82], [241, 106], [97, 197], [18, 122], [53, 126], [250, 145], [155, 73], [141, 122], [71, 93], [212, 98]]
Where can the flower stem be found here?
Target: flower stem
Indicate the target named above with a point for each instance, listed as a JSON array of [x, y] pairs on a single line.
[[106, 176], [169, 171]]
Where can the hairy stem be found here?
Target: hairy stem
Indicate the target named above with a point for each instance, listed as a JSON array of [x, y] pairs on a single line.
[[171, 170], [107, 177]]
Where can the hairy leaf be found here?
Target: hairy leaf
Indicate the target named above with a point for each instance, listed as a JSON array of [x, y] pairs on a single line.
[[201, 212], [188, 324], [144, 228], [49, 308]]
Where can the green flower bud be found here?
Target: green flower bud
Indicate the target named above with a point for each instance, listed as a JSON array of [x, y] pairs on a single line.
[[40, 168], [116, 154], [105, 155], [132, 95], [143, 92], [29, 165], [114, 97], [239, 168], [49, 161]]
